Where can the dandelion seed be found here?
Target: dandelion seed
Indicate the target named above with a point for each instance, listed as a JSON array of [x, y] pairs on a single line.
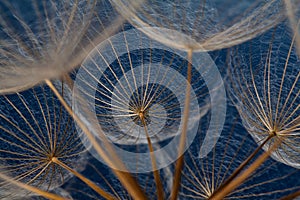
[[265, 82], [35, 128], [132, 82], [46, 39], [202, 177], [202, 25], [97, 171]]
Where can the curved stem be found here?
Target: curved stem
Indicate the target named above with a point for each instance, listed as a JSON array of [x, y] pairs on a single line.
[[112, 160], [180, 161], [90, 183], [159, 186], [35, 190], [291, 196], [241, 167], [220, 194]]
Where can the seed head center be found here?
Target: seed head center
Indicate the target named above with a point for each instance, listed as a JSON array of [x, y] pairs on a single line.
[[274, 131], [142, 117], [141, 114]]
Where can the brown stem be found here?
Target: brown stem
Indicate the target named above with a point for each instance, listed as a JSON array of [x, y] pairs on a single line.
[[90, 183], [159, 186], [220, 194], [35, 190], [291, 196], [180, 161], [241, 167], [125, 178]]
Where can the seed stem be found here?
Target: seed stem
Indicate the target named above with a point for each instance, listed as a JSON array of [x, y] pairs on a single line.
[[159, 186], [180, 161], [90, 183], [241, 167], [35, 190], [220, 194], [112, 160]]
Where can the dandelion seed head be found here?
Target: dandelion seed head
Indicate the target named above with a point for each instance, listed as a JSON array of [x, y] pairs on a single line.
[[45, 39], [35, 130], [202, 25], [135, 88], [266, 88]]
